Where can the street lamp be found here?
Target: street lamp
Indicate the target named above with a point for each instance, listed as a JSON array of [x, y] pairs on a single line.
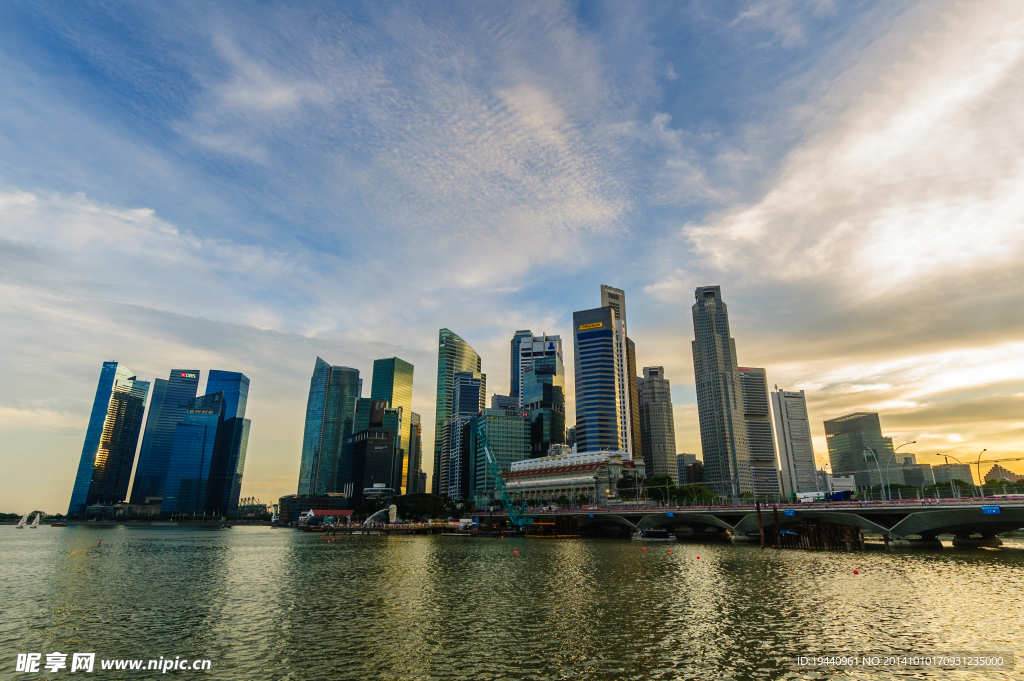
[[878, 466], [952, 485], [981, 480], [889, 461]]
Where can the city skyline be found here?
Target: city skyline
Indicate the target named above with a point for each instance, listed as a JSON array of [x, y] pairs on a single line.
[[831, 168]]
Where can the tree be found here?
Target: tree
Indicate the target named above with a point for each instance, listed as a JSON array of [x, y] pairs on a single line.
[[661, 487]]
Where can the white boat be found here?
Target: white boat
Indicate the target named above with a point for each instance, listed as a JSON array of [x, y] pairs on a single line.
[[21, 523], [35, 523], [654, 535]]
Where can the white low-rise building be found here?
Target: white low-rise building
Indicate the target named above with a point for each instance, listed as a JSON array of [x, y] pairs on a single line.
[[562, 473]]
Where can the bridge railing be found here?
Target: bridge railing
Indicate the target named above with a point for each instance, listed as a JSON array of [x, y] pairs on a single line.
[[810, 505]]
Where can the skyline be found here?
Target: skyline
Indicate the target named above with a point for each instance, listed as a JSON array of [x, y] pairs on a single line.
[[210, 185]]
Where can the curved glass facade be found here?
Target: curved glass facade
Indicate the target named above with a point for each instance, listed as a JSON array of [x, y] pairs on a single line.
[[453, 354]]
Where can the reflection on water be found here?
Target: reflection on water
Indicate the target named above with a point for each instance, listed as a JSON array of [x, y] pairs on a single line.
[[279, 604]]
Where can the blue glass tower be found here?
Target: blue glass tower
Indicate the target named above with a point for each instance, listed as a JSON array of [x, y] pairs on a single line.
[[161, 423], [111, 438], [235, 387], [598, 381], [232, 442], [192, 455], [330, 408]]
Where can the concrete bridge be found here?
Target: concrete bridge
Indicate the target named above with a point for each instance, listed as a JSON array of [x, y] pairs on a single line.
[[907, 524]]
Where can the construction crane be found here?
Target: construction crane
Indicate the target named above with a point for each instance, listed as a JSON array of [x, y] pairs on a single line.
[[516, 512]]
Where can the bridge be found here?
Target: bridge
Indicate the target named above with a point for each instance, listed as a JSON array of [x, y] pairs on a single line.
[[904, 523]]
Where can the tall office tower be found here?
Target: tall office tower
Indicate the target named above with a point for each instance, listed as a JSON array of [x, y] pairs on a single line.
[[232, 443], [543, 396], [914, 473], [570, 436], [155, 454], [723, 432], [392, 381], [956, 472], [657, 424], [415, 449], [636, 437], [626, 380], [856, 447], [758, 417], [192, 454], [599, 422], [508, 432], [330, 409], [796, 452], [515, 370], [467, 401], [105, 467], [371, 457], [532, 348], [453, 354]]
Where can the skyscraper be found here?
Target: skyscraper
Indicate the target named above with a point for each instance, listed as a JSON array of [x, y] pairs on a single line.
[[232, 442], [415, 446], [517, 339], [192, 455], [155, 455], [856, 447], [508, 431], [626, 385], [636, 448], [764, 475], [723, 432], [453, 354], [543, 397], [330, 408], [657, 425], [105, 467], [467, 401], [796, 452], [599, 417], [392, 381], [532, 348], [371, 457]]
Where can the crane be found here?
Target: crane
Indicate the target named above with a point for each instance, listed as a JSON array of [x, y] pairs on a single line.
[[516, 512]]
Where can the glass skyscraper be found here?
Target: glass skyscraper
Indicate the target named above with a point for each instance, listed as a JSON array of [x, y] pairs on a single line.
[[235, 387], [857, 447], [453, 354], [192, 455], [544, 399], [764, 475], [105, 467], [467, 401], [330, 409], [723, 431], [599, 425], [232, 442], [161, 423], [516, 374], [629, 416], [508, 431], [796, 451], [392, 381]]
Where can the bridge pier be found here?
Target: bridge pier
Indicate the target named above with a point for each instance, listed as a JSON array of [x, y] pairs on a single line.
[[738, 536], [971, 542], [919, 543]]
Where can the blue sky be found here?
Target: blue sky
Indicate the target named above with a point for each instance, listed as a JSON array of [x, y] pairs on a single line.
[[248, 186]]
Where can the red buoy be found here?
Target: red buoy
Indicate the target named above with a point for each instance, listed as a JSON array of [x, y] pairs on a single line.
[[698, 557], [645, 548], [101, 543], [517, 553], [856, 572], [670, 550]]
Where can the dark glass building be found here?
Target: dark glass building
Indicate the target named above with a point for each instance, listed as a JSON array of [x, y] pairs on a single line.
[[467, 400], [235, 387], [192, 456], [636, 437], [597, 381], [232, 442], [163, 419], [105, 467], [857, 447], [516, 343], [392, 381], [453, 354], [371, 458], [544, 399], [330, 408]]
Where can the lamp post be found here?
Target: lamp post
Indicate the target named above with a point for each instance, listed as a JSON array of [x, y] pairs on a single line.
[[879, 467], [952, 485], [981, 480], [889, 461]]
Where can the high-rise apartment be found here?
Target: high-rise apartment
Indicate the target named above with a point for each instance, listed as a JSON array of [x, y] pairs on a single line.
[[453, 354], [392, 381], [543, 397], [796, 451], [105, 467], [856, 447], [757, 414], [657, 425], [155, 455], [600, 422], [626, 384], [723, 431], [330, 410]]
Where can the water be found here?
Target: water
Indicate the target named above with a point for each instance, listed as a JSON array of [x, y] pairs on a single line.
[[265, 603]]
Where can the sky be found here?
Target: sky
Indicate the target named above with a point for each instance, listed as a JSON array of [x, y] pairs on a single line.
[[247, 186]]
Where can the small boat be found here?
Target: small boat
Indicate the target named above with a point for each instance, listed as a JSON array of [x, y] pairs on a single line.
[[226, 526], [21, 523], [654, 535], [59, 523], [35, 523]]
